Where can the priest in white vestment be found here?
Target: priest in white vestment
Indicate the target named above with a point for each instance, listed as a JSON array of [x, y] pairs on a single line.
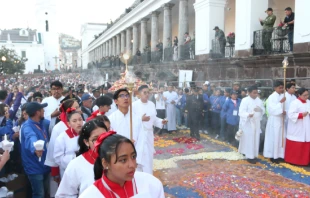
[[274, 145], [251, 111], [170, 98], [290, 97], [297, 149], [146, 110]]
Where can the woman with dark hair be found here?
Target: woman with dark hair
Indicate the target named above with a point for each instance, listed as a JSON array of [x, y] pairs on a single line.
[[66, 144], [79, 174], [6, 124], [59, 128], [115, 171], [297, 150]]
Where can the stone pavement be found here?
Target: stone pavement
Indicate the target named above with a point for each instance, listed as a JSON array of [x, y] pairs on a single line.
[[211, 168]]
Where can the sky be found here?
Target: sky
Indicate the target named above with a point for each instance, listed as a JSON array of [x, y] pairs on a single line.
[[71, 14]]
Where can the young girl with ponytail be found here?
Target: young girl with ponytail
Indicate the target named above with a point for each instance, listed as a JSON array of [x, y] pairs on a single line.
[[115, 171], [79, 174]]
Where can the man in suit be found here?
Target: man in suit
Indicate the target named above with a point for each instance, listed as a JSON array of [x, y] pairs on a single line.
[[194, 108]]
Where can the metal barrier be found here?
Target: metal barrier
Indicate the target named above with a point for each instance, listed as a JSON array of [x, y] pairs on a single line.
[[271, 41], [228, 51]]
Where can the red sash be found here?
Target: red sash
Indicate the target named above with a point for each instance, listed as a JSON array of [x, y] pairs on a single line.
[[94, 115], [71, 133], [90, 156], [113, 190]]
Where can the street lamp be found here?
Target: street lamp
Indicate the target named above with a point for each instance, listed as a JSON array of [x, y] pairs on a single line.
[[126, 57], [3, 58]]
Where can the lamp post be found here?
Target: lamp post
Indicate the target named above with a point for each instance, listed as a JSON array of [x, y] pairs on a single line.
[[3, 59], [285, 64]]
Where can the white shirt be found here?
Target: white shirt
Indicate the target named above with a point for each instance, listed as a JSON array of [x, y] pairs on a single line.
[[78, 176], [148, 186], [160, 103], [53, 104]]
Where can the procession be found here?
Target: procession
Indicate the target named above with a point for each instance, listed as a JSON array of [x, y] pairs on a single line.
[[164, 100]]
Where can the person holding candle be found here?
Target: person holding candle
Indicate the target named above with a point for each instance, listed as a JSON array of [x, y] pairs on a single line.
[[75, 180], [66, 144], [6, 124], [115, 171], [34, 129]]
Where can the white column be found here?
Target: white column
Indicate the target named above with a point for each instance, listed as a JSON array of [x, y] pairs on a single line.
[[135, 38], [301, 30], [113, 46], [248, 13], [143, 42], [123, 42], [110, 47], [209, 13], [167, 24], [106, 48], [118, 44], [154, 30], [128, 40], [183, 20], [103, 50]]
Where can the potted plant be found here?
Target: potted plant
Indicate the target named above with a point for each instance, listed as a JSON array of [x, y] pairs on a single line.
[[231, 38]]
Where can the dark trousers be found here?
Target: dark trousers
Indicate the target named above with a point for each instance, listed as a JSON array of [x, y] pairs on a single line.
[[223, 128], [161, 113], [231, 132], [267, 34], [290, 36], [193, 121], [205, 122], [216, 121]]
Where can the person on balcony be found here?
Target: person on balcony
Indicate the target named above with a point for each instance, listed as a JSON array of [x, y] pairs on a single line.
[[289, 22], [220, 37], [268, 29]]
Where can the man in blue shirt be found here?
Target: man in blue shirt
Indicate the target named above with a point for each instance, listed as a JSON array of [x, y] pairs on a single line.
[[34, 129]]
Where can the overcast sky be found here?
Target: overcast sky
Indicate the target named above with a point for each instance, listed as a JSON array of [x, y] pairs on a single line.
[[70, 13]]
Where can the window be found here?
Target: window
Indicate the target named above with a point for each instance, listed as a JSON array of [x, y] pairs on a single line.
[[23, 54]]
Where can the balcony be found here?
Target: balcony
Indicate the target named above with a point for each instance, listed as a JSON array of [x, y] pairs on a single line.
[[228, 51], [274, 41]]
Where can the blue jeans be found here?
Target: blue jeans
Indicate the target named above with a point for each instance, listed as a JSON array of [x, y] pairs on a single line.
[[39, 184], [290, 36], [178, 116]]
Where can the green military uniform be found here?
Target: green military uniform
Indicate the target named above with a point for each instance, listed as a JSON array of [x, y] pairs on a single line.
[[267, 31], [222, 40]]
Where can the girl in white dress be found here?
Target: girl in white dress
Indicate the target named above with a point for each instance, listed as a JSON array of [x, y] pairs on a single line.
[[79, 174], [66, 145], [115, 171]]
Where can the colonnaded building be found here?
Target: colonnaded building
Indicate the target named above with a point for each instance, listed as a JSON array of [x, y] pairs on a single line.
[[147, 31]]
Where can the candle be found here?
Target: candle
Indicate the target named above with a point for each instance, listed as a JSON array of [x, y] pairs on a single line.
[[106, 77]]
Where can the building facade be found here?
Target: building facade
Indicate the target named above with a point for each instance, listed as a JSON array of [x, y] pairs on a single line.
[[151, 22], [27, 46]]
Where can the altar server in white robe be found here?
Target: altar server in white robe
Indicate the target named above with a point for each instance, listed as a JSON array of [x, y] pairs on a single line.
[[290, 97], [251, 111], [297, 149], [59, 128], [146, 110], [115, 171], [274, 144], [79, 174], [66, 144], [170, 97], [120, 119], [52, 110]]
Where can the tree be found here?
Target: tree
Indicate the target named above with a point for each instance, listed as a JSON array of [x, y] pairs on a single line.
[[12, 63]]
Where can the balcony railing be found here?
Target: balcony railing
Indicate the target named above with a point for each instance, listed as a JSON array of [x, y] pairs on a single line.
[[272, 41], [227, 52]]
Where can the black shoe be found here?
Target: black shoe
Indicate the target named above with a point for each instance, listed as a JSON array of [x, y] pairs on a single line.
[[251, 161], [274, 161]]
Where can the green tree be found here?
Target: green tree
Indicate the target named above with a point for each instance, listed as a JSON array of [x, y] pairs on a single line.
[[10, 62]]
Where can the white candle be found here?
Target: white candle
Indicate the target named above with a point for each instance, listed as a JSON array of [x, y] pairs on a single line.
[[5, 138], [106, 77]]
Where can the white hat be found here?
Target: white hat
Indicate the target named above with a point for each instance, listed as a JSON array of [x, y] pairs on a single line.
[[206, 83]]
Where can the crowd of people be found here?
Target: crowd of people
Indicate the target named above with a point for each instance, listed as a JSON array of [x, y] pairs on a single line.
[[72, 135]]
